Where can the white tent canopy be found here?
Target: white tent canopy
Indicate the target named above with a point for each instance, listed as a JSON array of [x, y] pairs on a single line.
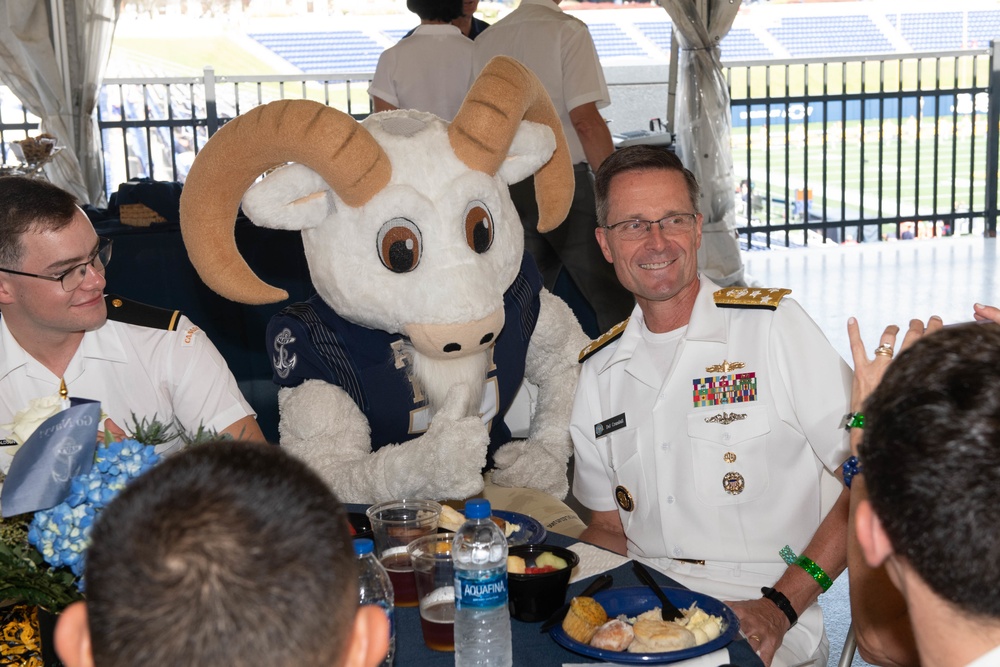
[[702, 122], [53, 54]]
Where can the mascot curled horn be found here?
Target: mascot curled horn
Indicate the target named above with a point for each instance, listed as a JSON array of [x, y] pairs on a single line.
[[397, 375]]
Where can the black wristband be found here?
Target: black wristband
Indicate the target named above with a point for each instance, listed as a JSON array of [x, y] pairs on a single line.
[[782, 603]]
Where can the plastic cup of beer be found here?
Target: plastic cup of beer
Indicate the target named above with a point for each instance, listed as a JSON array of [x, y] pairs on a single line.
[[395, 524], [434, 573]]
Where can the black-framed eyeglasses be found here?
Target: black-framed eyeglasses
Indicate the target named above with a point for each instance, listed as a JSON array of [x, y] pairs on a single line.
[[633, 230], [74, 276]]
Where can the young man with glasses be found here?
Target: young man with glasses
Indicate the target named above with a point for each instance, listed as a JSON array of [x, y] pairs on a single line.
[[707, 427], [57, 325]]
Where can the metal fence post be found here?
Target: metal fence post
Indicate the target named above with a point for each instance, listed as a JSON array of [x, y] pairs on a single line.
[[211, 109], [993, 140]]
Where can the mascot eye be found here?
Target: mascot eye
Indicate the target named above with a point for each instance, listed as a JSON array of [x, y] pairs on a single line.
[[478, 227], [399, 245]]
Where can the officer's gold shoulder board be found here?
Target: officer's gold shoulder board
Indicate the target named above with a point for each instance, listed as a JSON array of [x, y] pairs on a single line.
[[750, 297], [127, 311], [609, 336]]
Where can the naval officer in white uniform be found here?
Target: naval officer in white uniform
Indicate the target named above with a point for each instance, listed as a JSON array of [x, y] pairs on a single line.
[[708, 427]]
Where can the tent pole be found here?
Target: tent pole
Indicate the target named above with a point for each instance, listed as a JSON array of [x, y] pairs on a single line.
[[57, 17]]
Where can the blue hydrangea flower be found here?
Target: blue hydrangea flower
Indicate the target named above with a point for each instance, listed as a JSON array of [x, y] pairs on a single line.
[[62, 534]]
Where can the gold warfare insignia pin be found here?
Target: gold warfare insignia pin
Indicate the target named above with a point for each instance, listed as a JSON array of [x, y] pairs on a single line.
[[725, 367], [733, 483], [726, 418], [624, 498]]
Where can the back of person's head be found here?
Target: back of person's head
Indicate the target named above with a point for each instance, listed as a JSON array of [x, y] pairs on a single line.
[[226, 554], [639, 158], [28, 204], [931, 462], [436, 10]]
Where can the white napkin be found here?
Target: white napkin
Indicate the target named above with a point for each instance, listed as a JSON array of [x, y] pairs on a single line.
[[713, 659], [593, 560]]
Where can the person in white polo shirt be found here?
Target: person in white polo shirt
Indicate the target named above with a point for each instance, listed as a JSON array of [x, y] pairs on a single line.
[[431, 69]]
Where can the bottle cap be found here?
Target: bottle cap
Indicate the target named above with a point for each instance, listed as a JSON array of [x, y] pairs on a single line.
[[478, 508], [363, 546]]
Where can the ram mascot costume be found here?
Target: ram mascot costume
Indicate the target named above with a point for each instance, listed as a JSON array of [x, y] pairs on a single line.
[[397, 375]]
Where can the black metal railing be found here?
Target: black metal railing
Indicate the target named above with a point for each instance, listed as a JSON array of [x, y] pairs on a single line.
[[860, 149]]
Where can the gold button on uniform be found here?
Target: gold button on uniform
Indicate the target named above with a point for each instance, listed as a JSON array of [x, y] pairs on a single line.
[[624, 498], [729, 457]]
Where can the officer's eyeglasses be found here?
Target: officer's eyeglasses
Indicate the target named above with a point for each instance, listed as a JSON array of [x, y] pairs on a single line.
[[74, 276], [673, 224]]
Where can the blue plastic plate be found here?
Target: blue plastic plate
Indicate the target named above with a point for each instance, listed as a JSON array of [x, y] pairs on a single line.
[[634, 601], [531, 531]]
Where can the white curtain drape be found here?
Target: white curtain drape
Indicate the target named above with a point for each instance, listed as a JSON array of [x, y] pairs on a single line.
[[54, 64], [702, 125]]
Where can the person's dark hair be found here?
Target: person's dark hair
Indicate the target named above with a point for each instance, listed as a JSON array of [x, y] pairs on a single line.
[[27, 204], [931, 462], [225, 554], [639, 158], [436, 10]]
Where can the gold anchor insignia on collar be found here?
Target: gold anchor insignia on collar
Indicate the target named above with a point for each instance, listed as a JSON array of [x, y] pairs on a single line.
[[726, 418], [624, 498], [725, 367]]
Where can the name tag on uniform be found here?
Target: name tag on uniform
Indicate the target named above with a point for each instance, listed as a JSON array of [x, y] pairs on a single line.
[[609, 425]]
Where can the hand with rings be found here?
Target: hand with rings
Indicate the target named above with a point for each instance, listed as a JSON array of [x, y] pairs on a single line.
[[868, 372]]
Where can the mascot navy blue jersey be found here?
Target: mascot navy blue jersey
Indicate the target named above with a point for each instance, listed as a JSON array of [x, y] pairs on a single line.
[[309, 341]]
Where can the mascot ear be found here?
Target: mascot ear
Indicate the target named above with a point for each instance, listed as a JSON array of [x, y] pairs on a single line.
[[532, 147], [291, 197]]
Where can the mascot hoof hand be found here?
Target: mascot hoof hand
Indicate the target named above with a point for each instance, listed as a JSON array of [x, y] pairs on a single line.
[[452, 453], [526, 463]]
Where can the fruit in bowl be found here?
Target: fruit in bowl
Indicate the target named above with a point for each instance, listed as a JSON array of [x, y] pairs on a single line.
[[544, 563], [539, 589]]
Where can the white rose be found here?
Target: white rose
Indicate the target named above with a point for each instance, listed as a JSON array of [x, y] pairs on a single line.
[[29, 419]]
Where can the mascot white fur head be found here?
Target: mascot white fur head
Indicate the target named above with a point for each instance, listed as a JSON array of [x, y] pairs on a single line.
[[406, 220]]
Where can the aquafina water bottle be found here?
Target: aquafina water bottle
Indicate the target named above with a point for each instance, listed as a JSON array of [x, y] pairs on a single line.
[[375, 588], [482, 621]]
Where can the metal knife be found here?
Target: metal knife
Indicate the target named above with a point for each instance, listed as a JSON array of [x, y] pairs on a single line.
[[668, 611], [598, 584]]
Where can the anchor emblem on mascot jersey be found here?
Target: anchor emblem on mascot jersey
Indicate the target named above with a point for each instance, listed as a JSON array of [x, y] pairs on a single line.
[[282, 363]]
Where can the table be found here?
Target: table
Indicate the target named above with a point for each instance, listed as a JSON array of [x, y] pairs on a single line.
[[530, 646]]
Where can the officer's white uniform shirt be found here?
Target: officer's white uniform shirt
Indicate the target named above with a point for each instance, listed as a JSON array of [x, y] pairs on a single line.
[[131, 369], [558, 48], [672, 454], [431, 70]]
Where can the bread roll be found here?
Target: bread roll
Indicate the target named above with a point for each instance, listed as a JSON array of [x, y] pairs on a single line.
[[615, 635], [652, 636], [451, 519]]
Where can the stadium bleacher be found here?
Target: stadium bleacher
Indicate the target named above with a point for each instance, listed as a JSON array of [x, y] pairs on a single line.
[[336, 50], [804, 36], [857, 29], [927, 32], [983, 26]]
